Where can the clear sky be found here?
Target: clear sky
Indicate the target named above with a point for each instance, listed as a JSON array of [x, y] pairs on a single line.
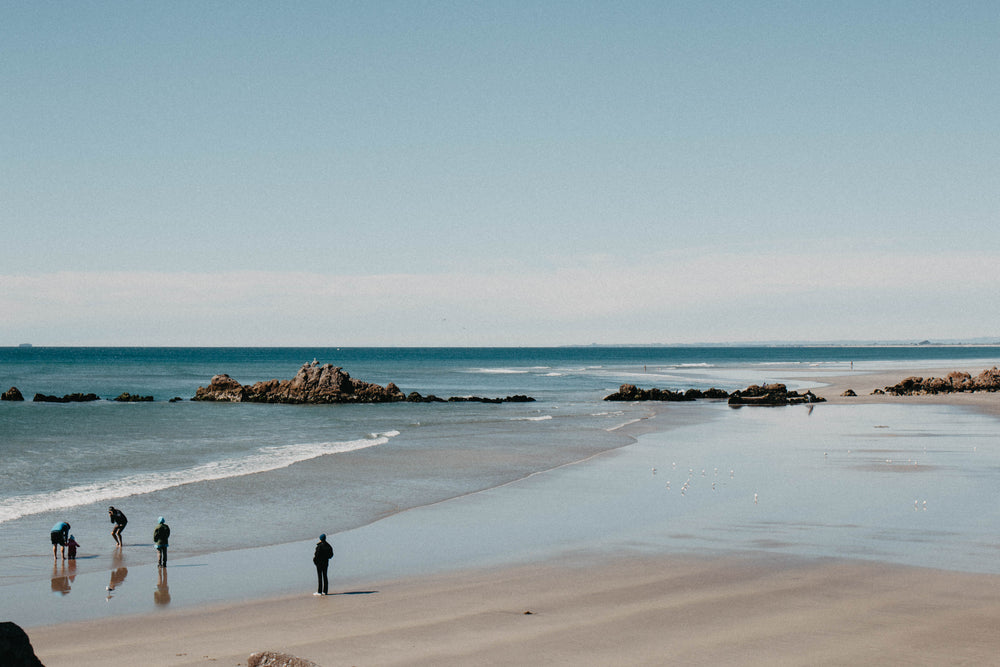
[[498, 173]]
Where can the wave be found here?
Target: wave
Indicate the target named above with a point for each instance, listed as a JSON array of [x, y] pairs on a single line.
[[532, 419], [501, 371], [264, 459]]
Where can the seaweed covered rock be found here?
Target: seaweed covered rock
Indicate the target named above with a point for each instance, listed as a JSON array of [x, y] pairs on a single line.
[[629, 392], [775, 394]]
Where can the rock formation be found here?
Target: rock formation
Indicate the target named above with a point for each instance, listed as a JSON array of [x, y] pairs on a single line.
[[324, 384], [126, 397], [771, 395], [275, 659], [12, 394], [68, 398], [312, 384], [956, 381], [15, 647], [629, 392]]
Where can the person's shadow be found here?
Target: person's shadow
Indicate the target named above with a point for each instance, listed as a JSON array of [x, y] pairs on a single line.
[[162, 594]]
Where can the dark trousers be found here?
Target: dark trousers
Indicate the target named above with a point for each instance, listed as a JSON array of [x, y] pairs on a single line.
[[162, 551], [323, 585]]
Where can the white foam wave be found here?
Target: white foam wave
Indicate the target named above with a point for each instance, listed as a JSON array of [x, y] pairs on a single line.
[[501, 371], [264, 460], [542, 418]]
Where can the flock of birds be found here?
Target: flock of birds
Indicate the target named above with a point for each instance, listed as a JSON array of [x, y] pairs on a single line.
[[917, 504], [704, 473]]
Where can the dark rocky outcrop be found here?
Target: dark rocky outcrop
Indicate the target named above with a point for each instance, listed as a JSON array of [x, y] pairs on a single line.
[[771, 395], [849, 393], [12, 394], [15, 647], [317, 384], [629, 392], [956, 381], [68, 398], [312, 384], [275, 659], [126, 397]]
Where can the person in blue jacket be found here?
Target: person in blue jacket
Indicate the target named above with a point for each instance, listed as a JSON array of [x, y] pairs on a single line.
[[59, 536]]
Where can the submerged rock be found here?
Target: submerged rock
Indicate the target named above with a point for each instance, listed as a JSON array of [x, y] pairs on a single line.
[[126, 397], [68, 398], [629, 392]]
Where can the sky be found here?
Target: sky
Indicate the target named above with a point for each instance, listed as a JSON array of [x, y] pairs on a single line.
[[422, 173]]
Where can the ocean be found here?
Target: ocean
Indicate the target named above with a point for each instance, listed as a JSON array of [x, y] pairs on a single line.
[[232, 477]]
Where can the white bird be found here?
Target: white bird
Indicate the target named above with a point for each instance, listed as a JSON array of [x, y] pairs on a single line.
[[755, 499]]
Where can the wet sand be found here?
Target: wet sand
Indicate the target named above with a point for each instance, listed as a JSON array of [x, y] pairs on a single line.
[[609, 606], [746, 610]]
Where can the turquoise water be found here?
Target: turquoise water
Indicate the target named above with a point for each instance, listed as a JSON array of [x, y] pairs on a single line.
[[839, 480]]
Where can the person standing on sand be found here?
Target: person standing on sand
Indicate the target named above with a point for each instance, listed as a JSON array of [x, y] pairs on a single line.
[[73, 546], [118, 518], [59, 535], [322, 556], [160, 536]]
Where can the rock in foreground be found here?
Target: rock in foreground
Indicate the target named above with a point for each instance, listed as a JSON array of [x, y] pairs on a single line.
[[275, 659], [15, 647]]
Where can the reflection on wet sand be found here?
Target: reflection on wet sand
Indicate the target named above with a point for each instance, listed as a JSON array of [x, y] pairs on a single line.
[[118, 573], [162, 594], [63, 576]]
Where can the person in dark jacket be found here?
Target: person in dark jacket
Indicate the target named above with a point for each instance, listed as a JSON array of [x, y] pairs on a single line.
[[118, 518], [160, 537], [322, 556]]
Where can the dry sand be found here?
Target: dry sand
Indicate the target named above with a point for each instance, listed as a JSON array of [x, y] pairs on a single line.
[[750, 609]]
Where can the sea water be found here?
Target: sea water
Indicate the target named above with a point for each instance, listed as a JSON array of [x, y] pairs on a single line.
[[836, 481]]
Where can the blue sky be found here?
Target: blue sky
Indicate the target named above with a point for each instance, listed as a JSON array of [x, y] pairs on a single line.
[[509, 173]]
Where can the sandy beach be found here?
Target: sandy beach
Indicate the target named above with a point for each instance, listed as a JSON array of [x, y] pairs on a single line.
[[748, 610], [618, 606]]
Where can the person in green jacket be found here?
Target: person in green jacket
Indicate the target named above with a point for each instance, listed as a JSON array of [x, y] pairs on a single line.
[[160, 535]]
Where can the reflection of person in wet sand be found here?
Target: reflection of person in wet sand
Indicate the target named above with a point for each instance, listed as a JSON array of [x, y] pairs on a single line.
[[60, 579], [118, 574], [162, 594]]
